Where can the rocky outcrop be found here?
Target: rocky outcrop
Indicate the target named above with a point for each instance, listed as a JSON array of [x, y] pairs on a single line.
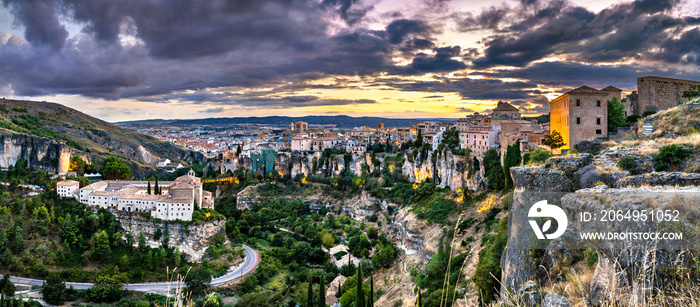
[[660, 179], [39, 152], [626, 269], [447, 169], [192, 240]]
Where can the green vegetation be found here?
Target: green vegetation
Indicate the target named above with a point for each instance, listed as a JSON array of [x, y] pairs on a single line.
[[494, 170], [692, 92], [670, 157], [539, 155], [628, 163], [511, 159], [198, 280], [554, 140], [648, 112], [433, 280], [616, 115], [489, 265], [114, 168]]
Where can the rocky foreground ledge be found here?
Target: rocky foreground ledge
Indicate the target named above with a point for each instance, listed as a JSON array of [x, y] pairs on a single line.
[[626, 273]]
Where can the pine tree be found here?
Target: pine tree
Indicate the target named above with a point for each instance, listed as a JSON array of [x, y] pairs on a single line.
[[360, 300], [148, 190], [321, 292], [371, 291], [310, 293]]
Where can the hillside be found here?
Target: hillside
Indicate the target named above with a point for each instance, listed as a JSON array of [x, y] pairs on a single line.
[[87, 136]]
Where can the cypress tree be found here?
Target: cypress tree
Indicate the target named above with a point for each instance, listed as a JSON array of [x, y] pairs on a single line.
[[321, 292], [310, 293], [418, 301], [360, 300], [157, 189], [148, 190], [371, 291], [511, 159]]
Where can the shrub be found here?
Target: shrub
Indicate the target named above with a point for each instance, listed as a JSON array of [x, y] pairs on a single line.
[[632, 118], [539, 155], [628, 163], [648, 112], [574, 152], [670, 156]]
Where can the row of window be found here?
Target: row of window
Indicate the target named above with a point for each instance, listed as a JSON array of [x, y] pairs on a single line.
[[578, 103], [597, 121]]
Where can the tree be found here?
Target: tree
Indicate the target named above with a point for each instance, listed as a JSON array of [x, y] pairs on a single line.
[[198, 280], [419, 140], [493, 170], [148, 189], [554, 140], [511, 159], [114, 168], [254, 300], [360, 298], [108, 287], [670, 156], [77, 165], [6, 286], [451, 138], [616, 115], [370, 303], [157, 188], [419, 302], [100, 249], [310, 292], [321, 292], [692, 92], [54, 290]]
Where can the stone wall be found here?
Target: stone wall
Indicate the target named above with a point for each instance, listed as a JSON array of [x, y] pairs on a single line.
[[192, 240], [657, 93]]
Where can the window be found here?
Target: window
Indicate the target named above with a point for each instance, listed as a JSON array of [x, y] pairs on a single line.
[[597, 103], [597, 120], [578, 102], [598, 131], [578, 120]]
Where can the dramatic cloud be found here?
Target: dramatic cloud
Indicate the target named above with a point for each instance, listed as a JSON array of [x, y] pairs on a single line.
[[221, 55]]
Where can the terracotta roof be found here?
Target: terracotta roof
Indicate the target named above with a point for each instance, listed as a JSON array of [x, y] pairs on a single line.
[[586, 89], [611, 88], [67, 183], [186, 178]]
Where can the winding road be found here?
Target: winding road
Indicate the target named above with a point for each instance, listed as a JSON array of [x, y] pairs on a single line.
[[251, 261]]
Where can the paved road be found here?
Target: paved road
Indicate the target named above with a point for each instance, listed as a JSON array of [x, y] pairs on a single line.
[[251, 261]]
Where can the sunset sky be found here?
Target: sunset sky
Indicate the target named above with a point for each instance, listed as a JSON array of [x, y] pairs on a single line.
[[141, 59]]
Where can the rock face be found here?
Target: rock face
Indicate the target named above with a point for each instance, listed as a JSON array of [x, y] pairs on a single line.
[[192, 240], [660, 178], [449, 170], [39, 152], [626, 270]]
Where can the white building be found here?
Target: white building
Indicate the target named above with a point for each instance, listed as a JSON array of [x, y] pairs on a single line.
[[301, 143], [176, 202], [68, 188]]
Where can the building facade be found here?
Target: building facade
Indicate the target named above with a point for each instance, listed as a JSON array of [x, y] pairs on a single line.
[[581, 114], [176, 201], [658, 93]]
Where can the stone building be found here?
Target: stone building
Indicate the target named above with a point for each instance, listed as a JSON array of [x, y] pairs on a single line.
[[581, 114], [658, 93], [176, 201]]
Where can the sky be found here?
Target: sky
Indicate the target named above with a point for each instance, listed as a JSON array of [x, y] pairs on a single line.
[[125, 60]]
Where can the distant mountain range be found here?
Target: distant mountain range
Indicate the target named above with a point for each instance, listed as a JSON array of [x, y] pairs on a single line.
[[341, 121]]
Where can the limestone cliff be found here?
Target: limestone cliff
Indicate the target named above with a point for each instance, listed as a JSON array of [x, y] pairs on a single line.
[[40, 153], [192, 240], [625, 272]]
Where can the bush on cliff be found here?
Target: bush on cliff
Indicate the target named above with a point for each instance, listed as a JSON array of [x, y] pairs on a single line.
[[488, 269], [628, 163], [670, 156]]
